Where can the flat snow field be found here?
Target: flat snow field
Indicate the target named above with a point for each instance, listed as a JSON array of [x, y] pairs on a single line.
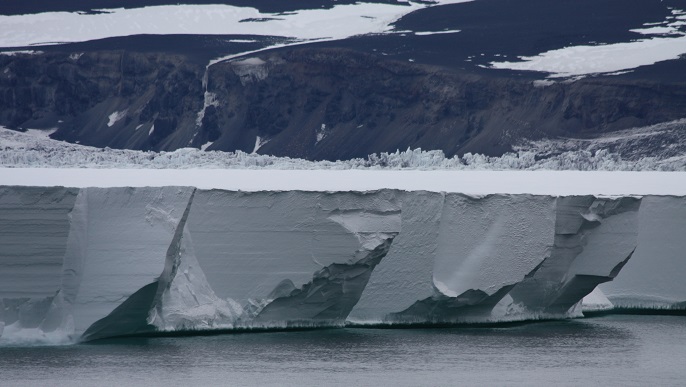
[[468, 182]]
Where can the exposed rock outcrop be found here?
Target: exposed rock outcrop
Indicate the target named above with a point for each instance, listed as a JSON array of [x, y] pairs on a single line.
[[313, 103]]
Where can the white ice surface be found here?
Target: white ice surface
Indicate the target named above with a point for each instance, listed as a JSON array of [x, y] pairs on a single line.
[[468, 182], [611, 59], [608, 58], [112, 243], [21, 52], [16, 335], [210, 99], [451, 245], [339, 22]]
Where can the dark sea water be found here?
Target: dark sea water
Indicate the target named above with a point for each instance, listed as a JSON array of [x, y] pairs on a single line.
[[618, 350]]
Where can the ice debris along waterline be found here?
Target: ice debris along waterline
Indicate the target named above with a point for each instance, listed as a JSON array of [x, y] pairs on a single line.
[[89, 263], [660, 147]]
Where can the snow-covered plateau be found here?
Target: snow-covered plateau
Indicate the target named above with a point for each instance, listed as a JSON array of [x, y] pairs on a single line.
[[338, 22], [663, 43], [107, 257]]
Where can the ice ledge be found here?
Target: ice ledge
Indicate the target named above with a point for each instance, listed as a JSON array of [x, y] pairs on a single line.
[[143, 259], [553, 183]]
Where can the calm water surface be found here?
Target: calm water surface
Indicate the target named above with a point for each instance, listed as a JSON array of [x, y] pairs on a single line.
[[610, 350]]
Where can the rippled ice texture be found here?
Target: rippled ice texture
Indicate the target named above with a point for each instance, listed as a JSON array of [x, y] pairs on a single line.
[[611, 350]]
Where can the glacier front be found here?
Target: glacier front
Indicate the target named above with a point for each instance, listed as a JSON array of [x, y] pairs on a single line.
[[85, 263]]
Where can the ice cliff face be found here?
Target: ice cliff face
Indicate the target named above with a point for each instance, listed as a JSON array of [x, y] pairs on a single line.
[[653, 277], [281, 258], [593, 240], [508, 257], [83, 264], [118, 261]]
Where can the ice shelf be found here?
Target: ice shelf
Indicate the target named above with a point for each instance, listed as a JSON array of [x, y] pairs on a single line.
[[605, 183], [82, 263]]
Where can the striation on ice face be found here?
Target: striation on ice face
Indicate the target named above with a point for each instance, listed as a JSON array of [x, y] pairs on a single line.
[[264, 247], [594, 238], [654, 276], [405, 274], [188, 302], [82, 264], [328, 298], [128, 232], [485, 246], [34, 224], [184, 299], [490, 242], [101, 253], [504, 257]]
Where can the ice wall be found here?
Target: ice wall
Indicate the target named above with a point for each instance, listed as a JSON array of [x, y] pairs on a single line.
[[654, 276], [82, 264], [131, 245], [486, 246], [292, 257], [89, 260], [508, 257], [594, 238], [34, 225], [464, 253], [406, 273]]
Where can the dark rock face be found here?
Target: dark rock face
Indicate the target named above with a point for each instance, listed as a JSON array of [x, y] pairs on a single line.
[[314, 103], [83, 90]]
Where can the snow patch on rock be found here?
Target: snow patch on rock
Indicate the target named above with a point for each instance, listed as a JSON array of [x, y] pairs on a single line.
[[585, 60], [425, 33], [209, 99], [668, 43]]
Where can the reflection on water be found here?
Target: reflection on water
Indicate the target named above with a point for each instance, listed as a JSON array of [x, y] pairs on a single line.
[[620, 350]]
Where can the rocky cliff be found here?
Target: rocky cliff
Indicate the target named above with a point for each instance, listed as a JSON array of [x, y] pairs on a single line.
[[314, 103]]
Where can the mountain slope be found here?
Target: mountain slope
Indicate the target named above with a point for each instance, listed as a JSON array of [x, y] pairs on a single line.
[[338, 80]]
